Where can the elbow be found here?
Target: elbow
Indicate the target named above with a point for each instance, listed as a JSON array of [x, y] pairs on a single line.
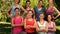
[[24, 27], [46, 30], [37, 30], [54, 29]]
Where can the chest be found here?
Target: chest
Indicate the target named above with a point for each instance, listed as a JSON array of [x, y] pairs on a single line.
[[18, 20]]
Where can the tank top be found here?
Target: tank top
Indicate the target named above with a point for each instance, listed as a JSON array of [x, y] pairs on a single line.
[[17, 21], [13, 8], [42, 26], [30, 23], [50, 11], [50, 26]]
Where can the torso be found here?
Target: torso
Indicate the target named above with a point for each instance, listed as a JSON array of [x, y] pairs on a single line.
[[50, 11], [42, 26], [17, 21], [38, 11], [27, 9], [30, 23], [50, 26], [13, 7]]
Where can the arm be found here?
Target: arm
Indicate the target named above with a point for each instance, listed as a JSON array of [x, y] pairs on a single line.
[[8, 10], [57, 16], [22, 8], [37, 28], [12, 24], [56, 10], [46, 29]]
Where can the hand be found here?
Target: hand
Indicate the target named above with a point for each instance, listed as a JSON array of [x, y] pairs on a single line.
[[28, 27], [10, 16]]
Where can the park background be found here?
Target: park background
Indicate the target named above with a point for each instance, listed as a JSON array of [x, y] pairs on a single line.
[[5, 22]]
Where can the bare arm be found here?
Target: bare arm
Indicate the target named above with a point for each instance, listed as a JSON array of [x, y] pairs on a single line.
[[56, 10], [37, 28], [22, 8], [46, 29], [8, 10], [12, 24]]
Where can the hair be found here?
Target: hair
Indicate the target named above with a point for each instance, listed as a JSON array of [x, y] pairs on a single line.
[[30, 11], [18, 2], [16, 8], [41, 13], [39, 0], [48, 15], [27, 1]]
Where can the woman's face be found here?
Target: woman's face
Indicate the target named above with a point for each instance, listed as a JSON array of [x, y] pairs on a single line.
[[17, 11], [29, 14], [16, 1], [28, 3], [49, 18], [50, 2], [40, 3], [41, 16]]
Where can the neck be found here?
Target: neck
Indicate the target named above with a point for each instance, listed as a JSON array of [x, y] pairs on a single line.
[[15, 4], [17, 15], [39, 6], [29, 17], [27, 7], [41, 19]]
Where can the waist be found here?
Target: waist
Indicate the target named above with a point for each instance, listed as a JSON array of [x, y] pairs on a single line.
[[29, 30]]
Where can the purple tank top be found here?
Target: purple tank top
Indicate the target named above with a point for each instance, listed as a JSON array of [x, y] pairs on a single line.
[[50, 11], [50, 26], [17, 21]]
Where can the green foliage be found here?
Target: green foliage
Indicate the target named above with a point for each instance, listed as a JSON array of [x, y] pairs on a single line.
[[4, 4]]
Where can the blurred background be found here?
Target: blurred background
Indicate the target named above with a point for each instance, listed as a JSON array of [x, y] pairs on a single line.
[[5, 22]]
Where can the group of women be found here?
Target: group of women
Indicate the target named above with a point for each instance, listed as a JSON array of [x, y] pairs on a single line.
[[37, 19]]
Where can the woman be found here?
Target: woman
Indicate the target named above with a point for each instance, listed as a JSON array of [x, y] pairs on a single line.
[[27, 7], [17, 22], [51, 25], [51, 9], [29, 23], [42, 25], [39, 9], [11, 8]]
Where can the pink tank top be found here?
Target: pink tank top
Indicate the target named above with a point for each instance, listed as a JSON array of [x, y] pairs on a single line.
[[17, 21]]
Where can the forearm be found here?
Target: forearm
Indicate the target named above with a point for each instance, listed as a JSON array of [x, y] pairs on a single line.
[[32, 26], [52, 30]]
